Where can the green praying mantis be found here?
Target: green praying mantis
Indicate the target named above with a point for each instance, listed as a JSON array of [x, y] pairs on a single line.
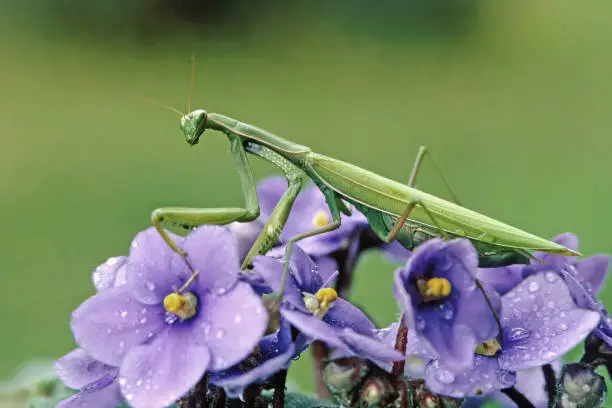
[[394, 211]]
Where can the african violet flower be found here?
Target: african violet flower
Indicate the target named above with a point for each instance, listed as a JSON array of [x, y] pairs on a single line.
[[590, 271], [314, 308], [273, 354], [442, 303], [584, 278], [540, 323], [96, 381], [163, 336]]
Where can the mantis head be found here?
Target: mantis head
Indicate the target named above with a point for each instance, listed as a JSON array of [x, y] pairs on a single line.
[[193, 125]]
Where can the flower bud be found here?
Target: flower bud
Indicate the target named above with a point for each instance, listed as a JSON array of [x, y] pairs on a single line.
[[580, 387]]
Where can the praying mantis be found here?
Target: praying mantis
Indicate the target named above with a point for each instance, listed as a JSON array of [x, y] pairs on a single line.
[[394, 211]]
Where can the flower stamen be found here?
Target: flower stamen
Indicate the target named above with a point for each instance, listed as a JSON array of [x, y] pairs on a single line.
[[434, 288], [488, 348], [320, 303], [320, 219], [184, 305]]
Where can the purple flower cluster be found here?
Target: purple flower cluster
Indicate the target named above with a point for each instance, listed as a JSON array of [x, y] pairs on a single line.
[[463, 348], [159, 324]]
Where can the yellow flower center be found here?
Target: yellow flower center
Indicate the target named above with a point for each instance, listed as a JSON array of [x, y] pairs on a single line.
[[434, 288], [320, 219], [488, 348], [184, 305], [320, 302]]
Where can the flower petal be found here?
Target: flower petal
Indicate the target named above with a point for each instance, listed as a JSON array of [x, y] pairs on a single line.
[[110, 273], [232, 324], [213, 252], [502, 279], [77, 369], [157, 374], [343, 314], [370, 347], [541, 322], [593, 271], [101, 394], [245, 234], [271, 271], [153, 269], [473, 310], [312, 326], [275, 350], [485, 376], [108, 324], [454, 344]]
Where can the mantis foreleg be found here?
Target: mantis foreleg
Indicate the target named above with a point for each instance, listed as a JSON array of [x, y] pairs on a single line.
[[193, 217]]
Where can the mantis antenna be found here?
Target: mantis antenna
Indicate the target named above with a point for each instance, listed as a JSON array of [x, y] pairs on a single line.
[[191, 83], [163, 105]]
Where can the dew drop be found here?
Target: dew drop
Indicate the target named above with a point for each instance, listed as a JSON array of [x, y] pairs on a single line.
[[124, 314], [150, 285], [447, 310], [134, 244], [550, 276], [445, 377], [139, 382], [237, 318], [518, 334], [129, 397], [221, 291], [220, 334], [563, 326], [533, 287], [122, 381], [143, 320]]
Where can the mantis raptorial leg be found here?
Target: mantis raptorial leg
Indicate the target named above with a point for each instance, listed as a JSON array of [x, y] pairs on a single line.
[[193, 217]]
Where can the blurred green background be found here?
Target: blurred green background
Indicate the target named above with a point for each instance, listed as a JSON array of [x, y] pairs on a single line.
[[513, 97]]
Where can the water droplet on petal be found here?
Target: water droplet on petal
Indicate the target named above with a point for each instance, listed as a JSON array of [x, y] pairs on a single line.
[[129, 397], [445, 377], [518, 334], [150, 285], [220, 334], [533, 287], [139, 382], [237, 318], [143, 320], [124, 314], [122, 381], [550, 276]]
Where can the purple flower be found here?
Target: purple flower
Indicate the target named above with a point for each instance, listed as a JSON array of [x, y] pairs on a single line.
[[591, 271], [584, 278], [442, 303], [540, 323], [273, 353], [313, 307], [310, 211], [96, 381], [163, 341]]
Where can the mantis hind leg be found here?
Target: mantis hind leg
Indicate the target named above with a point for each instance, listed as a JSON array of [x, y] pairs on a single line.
[[424, 151]]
